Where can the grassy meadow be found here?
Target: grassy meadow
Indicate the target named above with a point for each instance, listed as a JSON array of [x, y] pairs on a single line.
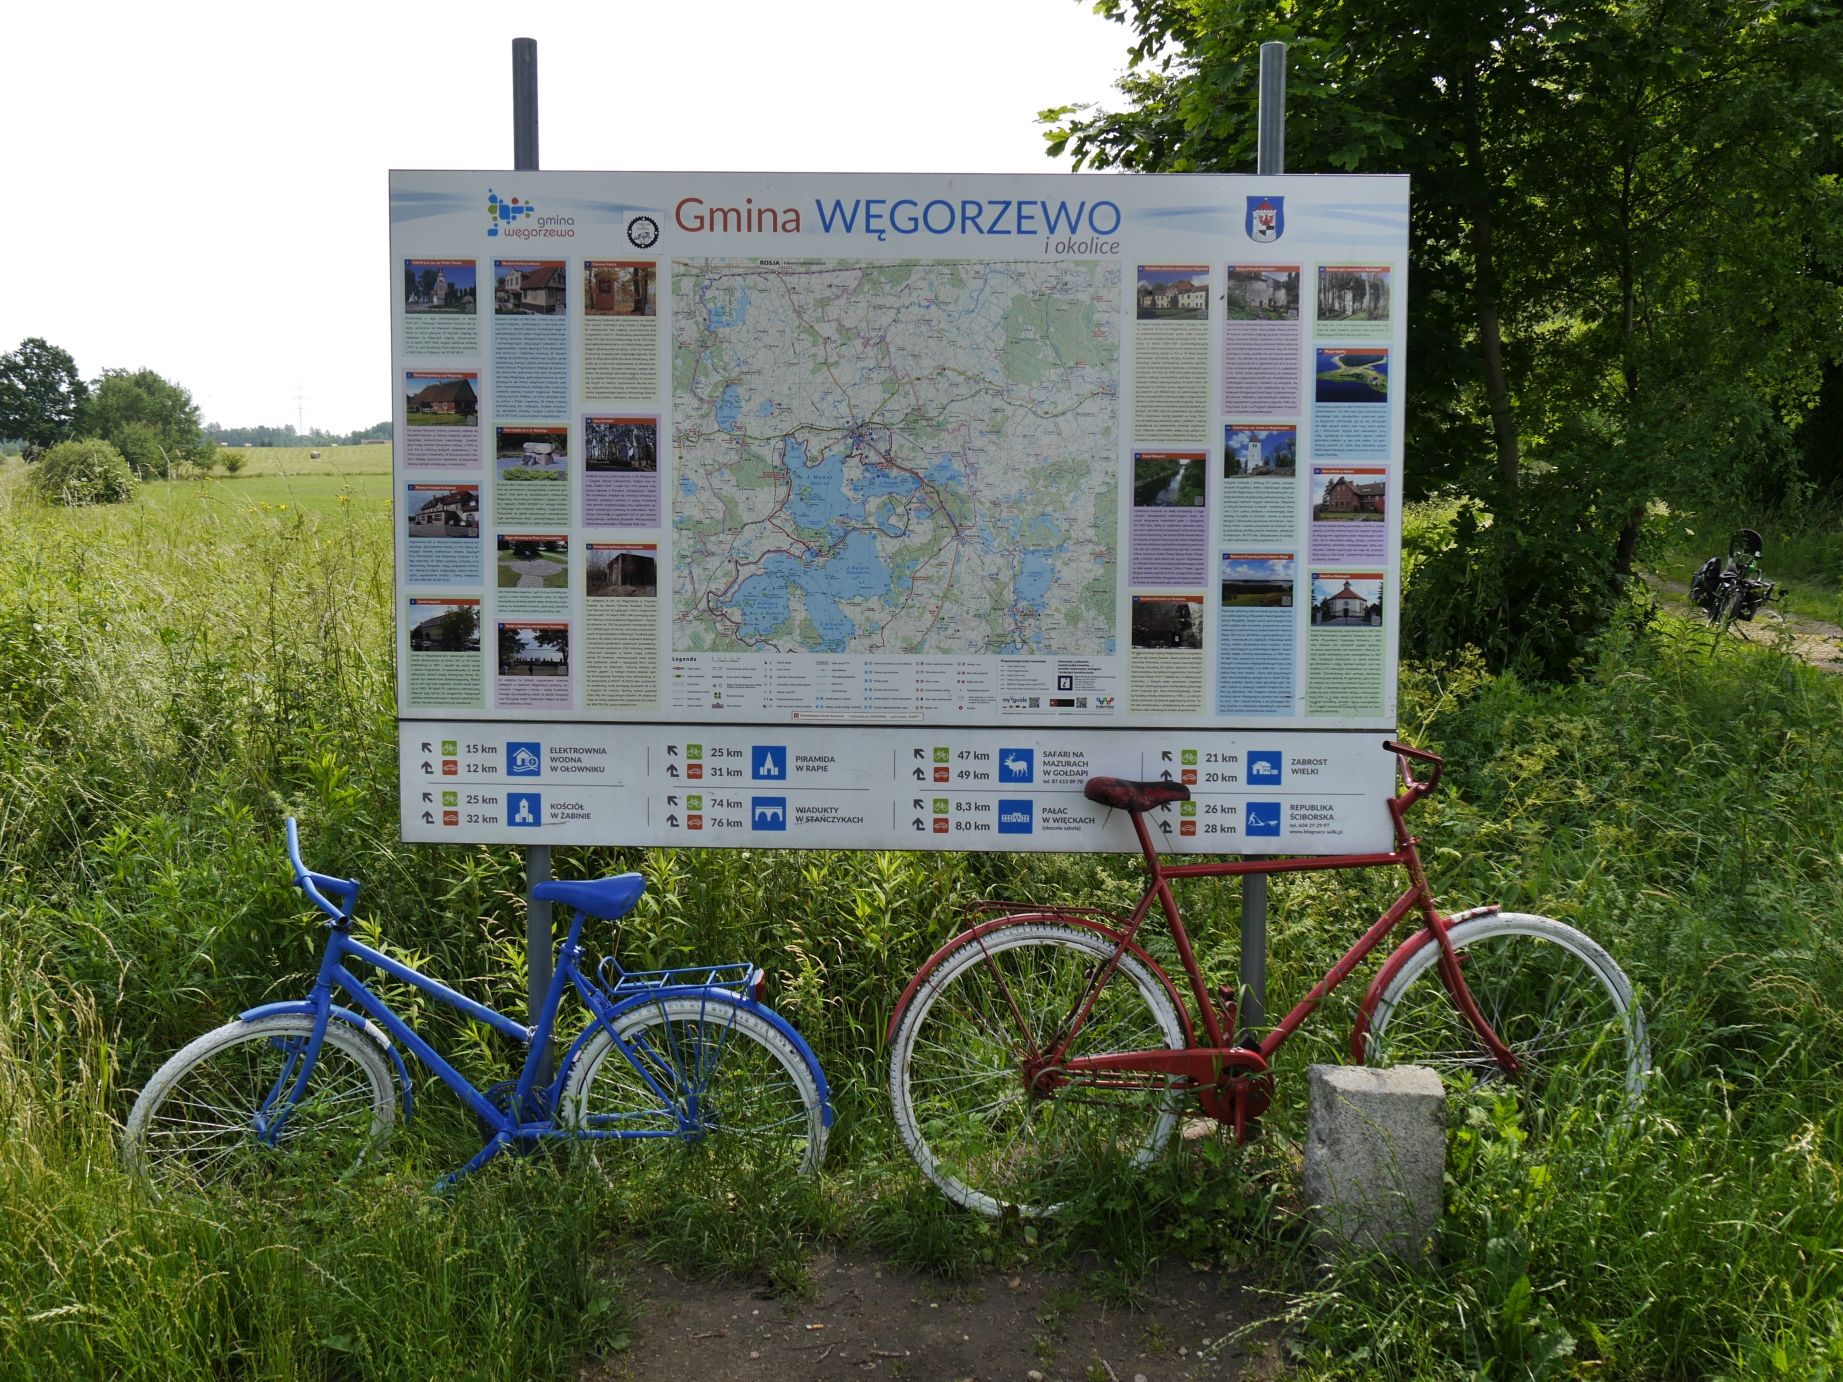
[[178, 674]]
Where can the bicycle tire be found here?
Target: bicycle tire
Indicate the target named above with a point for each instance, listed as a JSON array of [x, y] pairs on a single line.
[[193, 1125], [1552, 994], [1723, 614], [730, 1080], [964, 1104]]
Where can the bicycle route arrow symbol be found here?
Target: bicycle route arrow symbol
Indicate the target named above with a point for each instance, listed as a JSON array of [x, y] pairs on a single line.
[[918, 803], [1165, 757], [671, 801], [428, 798], [427, 747], [921, 753], [671, 750]]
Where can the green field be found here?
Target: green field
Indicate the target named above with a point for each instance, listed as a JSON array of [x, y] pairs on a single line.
[[182, 672]]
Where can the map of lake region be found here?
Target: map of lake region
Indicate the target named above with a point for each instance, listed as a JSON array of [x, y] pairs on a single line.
[[914, 457]]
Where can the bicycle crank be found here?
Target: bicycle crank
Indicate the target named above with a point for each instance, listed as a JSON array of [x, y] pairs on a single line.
[[1242, 1090]]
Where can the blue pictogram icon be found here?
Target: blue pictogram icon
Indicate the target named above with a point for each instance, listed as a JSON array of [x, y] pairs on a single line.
[[767, 813], [768, 762], [1014, 817], [1264, 767], [1262, 818], [524, 759], [524, 808], [1017, 765]]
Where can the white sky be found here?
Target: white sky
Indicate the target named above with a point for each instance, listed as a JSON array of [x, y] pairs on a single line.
[[201, 189]]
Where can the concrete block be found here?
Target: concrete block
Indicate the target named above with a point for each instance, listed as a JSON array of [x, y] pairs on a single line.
[[1375, 1159]]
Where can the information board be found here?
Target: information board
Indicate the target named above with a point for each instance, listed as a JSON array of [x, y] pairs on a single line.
[[999, 480]]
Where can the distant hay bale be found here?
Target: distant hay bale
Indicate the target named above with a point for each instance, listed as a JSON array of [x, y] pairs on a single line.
[[313, 455]]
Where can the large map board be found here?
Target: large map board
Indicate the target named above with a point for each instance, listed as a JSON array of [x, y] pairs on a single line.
[[818, 490]]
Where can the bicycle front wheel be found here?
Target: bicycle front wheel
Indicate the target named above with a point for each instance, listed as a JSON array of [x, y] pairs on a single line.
[[702, 1070], [218, 1114], [1723, 615], [991, 1120], [1552, 995]]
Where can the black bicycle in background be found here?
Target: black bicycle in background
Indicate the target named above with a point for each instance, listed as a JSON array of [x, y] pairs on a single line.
[[1736, 590]]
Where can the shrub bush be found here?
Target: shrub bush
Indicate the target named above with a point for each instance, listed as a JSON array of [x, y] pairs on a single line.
[[1533, 597], [84, 472]]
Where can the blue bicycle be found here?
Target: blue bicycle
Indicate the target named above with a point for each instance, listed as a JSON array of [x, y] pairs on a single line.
[[688, 1055]]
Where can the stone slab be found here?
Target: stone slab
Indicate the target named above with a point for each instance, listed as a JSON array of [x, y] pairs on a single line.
[[1375, 1159]]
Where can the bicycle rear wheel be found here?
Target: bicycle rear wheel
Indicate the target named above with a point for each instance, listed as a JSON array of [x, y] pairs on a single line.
[[706, 1071], [1552, 995], [990, 1122], [217, 1113]]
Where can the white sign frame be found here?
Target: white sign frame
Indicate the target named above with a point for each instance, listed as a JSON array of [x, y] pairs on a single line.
[[1221, 580]]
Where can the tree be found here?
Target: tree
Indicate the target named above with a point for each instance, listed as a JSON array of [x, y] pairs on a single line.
[[40, 393], [558, 639], [152, 421], [1624, 248]]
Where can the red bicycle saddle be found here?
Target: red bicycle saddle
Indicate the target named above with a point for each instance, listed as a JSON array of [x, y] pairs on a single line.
[[1128, 795]]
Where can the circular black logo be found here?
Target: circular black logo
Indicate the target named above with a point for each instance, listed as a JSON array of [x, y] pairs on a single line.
[[642, 232]]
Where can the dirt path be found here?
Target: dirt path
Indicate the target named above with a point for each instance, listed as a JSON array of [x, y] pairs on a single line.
[[1813, 641], [866, 1319]]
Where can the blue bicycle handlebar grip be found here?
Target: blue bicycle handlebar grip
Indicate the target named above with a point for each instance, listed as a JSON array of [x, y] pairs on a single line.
[[306, 880]]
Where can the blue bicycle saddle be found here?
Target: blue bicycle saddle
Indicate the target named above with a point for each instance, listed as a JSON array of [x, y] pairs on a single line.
[[599, 897]]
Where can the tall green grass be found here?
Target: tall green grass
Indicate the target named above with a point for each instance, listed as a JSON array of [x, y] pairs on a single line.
[[177, 675]]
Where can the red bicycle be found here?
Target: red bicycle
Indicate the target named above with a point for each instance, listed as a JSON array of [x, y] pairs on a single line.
[[1035, 1042]]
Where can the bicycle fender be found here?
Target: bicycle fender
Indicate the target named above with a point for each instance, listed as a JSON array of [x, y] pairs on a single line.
[[353, 1019], [1049, 914], [1399, 956], [761, 1010]]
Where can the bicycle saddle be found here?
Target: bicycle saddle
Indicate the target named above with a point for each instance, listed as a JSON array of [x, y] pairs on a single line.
[[1134, 796], [606, 898]]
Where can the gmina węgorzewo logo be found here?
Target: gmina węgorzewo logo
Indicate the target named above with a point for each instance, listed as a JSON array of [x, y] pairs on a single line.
[[507, 216]]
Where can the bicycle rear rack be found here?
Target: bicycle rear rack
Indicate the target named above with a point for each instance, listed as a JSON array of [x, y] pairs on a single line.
[[734, 979]]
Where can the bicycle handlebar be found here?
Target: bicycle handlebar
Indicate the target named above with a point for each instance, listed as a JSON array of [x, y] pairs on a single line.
[[309, 882], [1403, 753]]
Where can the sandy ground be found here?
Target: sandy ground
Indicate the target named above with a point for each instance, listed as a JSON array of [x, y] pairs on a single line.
[[863, 1318]]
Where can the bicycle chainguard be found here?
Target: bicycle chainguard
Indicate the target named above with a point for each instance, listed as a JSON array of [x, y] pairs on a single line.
[[1242, 1091], [536, 1110]]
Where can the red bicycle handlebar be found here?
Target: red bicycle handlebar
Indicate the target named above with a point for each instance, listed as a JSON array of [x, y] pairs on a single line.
[[1403, 753]]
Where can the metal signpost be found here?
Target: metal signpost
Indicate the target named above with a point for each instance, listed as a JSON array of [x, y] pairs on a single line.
[[882, 511], [538, 940], [1270, 161]]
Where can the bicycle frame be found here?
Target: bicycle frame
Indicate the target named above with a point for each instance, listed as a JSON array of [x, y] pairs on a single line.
[[1205, 1062], [526, 1118]]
